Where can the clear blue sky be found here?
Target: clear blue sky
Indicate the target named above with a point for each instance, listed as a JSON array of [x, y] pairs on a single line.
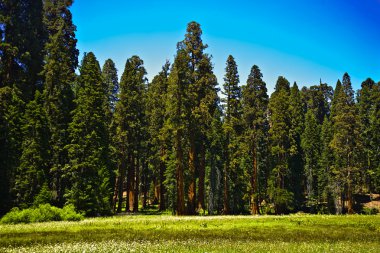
[[301, 40]]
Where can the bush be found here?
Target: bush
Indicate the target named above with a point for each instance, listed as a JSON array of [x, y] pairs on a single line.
[[42, 213], [370, 211]]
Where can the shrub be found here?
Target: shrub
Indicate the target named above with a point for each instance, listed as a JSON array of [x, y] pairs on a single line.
[[69, 213], [42, 213], [370, 211]]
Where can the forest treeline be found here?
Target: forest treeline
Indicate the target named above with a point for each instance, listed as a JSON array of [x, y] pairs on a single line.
[[109, 146]]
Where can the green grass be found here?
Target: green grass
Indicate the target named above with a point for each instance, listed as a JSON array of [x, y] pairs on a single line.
[[152, 233]]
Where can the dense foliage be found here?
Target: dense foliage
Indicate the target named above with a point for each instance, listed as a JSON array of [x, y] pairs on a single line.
[[42, 213], [107, 147]]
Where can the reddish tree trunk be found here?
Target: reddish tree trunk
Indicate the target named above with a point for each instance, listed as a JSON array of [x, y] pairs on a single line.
[[201, 181], [129, 190], [136, 185], [191, 201]]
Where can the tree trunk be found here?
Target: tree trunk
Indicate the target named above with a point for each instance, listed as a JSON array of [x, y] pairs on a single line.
[[116, 192], [161, 202], [144, 184], [120, 183], [350, 209], [201, 181], [156, 187], [136, 185], [254, 183], [179, 176], [192, 187], [129, 195]]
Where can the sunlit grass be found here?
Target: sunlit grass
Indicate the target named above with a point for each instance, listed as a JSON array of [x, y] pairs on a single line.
[[149, 233]]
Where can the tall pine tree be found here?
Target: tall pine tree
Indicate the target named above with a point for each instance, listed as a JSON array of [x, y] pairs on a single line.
[[33, 171], [255, 108], [59, 73], [11, 121], [280, 122], [311, 148], [156, 97], [129, 116], [176, 126], [296, 153], [366, 105], [88, 150], [345, 140], [232, 119]]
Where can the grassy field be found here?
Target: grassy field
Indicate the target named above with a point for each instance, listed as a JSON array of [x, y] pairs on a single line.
[[147, 233]]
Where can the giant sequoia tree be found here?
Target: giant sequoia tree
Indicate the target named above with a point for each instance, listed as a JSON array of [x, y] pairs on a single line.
[[129, 121], [279, 121], [61, 61], [255, 108], [176, 126], [194, 47]]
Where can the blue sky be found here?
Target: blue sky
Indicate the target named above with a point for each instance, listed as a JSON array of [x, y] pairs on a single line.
[[301, 40]]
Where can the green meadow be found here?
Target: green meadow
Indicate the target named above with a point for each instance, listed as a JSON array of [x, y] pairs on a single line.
[[164, 233]]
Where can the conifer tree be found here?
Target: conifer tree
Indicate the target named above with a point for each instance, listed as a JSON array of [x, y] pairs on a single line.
[[325, 175], [194, 48], [21, 45], [334, 101], [209, 102], [345, 140], [279, 121], [366, 104], [176, 126], [215, 161], [21, 59], [311, 148], [318, 98], [33, 171], [375, 140], [111, 92], [88, 150], [59, 73], [232, 119], [296, 153], [111, 83], [129, 120], [11, 120], [156, 99], [255, 109]]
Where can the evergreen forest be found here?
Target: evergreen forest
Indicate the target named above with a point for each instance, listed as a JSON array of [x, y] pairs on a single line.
[[83, 133]]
